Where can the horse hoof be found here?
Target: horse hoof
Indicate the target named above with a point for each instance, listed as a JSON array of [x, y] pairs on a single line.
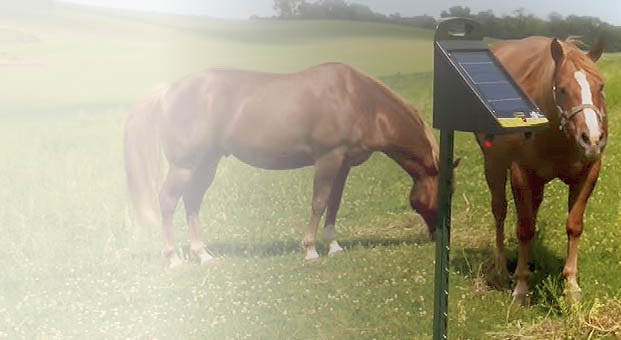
[[521, 299], [311, 255], [336, 253], [335, 249], [201, 255], [573, 296], [174, 261], [205, 258]]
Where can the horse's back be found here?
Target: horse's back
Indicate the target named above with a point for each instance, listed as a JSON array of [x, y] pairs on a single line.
[[292, 119], [267, 120], [533, 43]]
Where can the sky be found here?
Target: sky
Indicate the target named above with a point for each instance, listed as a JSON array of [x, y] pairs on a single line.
[[607, 10]]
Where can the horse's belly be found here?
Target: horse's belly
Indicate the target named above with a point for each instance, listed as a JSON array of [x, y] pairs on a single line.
[[274, 161]]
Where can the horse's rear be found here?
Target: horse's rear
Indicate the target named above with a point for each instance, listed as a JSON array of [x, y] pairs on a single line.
[[565, 84]]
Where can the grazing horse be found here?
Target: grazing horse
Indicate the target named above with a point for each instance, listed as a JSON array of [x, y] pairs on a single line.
[[330, 116], [564, 82]]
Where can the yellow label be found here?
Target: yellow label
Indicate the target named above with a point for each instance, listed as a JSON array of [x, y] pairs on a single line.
[[520, 122]]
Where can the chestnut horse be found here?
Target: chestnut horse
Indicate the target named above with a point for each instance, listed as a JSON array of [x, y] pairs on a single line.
[[330, 116], [564, 82]]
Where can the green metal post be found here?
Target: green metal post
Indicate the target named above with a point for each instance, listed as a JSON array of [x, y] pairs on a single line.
[[443, 236]]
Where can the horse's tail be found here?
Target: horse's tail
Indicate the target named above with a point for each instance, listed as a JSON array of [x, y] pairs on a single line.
[[143, 162]]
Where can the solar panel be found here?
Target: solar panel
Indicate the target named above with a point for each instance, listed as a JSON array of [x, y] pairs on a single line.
[[492, 84], [472, 91]]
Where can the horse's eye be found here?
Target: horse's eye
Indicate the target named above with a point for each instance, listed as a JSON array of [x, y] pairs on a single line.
[[562, 93], [601, 88]]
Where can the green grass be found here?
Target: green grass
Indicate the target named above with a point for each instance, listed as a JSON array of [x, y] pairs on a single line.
[[69, 268]]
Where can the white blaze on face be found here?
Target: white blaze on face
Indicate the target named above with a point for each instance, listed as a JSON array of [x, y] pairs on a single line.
[[587, 98]]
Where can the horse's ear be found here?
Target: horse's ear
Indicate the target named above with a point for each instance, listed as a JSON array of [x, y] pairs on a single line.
[[596, 50], [557, 51]]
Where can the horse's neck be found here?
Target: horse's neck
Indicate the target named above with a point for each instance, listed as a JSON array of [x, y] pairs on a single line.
[[414, 150], [417, 168], [399, 132]]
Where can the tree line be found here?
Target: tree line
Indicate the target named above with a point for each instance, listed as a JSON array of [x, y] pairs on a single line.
[[517, 25]]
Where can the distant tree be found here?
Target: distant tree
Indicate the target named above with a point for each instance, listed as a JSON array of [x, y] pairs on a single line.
[[519, 24], [362, 12], [421, 21], [557, 25], [456, 11], [488, 21], [611, 36], [288, 9], [335, 9], [555, 16]]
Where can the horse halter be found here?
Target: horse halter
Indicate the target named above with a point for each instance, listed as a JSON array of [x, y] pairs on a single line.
[[568, 115]]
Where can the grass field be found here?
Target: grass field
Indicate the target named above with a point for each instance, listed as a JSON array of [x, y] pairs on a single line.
[[70, 268]]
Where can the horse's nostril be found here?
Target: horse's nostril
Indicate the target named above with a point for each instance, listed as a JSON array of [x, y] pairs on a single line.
[[585, 138], [601, 138]]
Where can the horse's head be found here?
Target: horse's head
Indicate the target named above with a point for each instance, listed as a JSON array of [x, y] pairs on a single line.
[[424, 197], [424, 200], [579, 98]]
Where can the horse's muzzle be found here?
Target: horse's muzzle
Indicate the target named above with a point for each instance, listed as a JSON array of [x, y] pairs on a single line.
[[592, 150]]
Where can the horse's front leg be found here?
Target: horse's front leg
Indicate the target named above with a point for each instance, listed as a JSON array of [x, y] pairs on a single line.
[[496, 177], [527, 193], [579, 194], [334, 203], [326, 169]]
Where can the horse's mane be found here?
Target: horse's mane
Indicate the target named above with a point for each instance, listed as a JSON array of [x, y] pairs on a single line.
[[409, 112], [577, 56]]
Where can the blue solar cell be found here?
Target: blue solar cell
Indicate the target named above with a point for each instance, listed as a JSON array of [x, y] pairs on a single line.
[[491, 83], [498, 91], [471, 57], [483, 72]]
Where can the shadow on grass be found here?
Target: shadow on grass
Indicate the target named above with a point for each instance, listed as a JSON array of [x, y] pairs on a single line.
[[545, 265], [294, 246]]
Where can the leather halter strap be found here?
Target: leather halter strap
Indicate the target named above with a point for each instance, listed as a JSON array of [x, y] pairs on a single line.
[[568, 115]]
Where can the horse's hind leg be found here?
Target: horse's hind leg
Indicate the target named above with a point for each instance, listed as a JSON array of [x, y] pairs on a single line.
[[171, 191], [192, 199], [496, 176], [334, 202], [326, 169]]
